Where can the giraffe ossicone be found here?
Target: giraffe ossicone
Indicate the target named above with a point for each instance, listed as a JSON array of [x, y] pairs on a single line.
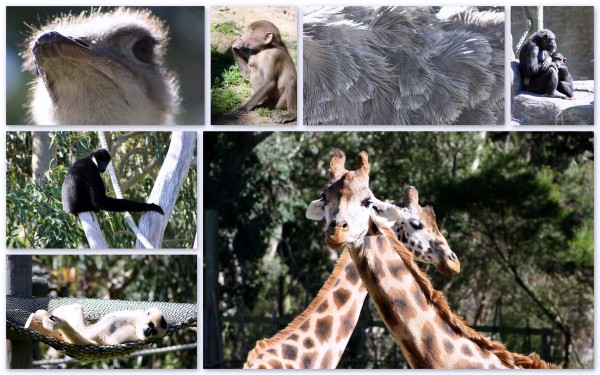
[[417, 316], [318, 336]]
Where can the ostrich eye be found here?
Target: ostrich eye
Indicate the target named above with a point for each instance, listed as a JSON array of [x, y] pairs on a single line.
[[143, 49]]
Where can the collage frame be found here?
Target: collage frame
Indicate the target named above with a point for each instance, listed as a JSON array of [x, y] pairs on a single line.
[[201, 124]]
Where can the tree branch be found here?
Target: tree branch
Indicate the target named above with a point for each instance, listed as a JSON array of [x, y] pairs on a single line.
[[91, 227]]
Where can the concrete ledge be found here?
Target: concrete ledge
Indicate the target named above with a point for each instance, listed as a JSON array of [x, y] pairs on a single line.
[[534, 109]]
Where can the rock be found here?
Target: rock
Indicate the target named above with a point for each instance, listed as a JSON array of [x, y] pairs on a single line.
[[534, 109]]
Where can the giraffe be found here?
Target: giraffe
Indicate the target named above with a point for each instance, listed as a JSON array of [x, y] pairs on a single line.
[[317, 337], [417, 316]]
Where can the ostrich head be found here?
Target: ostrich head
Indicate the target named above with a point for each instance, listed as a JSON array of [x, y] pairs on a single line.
[[101, 68]]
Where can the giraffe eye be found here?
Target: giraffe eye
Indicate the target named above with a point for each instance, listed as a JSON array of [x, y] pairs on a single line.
[[416, 224], [367, 203]]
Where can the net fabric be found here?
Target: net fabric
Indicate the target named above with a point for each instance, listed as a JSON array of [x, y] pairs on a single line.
[[18, 309]]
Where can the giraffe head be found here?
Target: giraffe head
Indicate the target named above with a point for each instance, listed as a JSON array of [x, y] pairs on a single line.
[[419, 232], [347, 204]]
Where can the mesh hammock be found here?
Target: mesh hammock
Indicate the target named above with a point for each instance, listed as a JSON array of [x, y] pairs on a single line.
[[18, 309]]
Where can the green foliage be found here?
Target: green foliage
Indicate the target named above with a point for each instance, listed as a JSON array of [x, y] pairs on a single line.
[[232, 76], [227, 28]]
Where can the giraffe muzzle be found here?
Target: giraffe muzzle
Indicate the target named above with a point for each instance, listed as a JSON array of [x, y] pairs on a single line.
[[449, 265], [336, 237]]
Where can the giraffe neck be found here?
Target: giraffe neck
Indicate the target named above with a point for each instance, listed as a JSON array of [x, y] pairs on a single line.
[[417, 316], [317, 337]]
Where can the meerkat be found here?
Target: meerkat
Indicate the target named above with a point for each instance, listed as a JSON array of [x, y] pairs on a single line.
[[100, 68], [112, 329]]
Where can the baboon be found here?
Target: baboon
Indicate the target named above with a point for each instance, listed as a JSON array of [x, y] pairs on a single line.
[[101, 68], [262, 55]]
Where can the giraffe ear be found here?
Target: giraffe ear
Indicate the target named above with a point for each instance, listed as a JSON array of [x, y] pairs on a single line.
[[315, 210], [385, 210]]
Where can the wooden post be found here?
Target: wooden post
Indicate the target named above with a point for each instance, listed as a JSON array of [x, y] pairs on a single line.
[[211, 284], [19, 351]]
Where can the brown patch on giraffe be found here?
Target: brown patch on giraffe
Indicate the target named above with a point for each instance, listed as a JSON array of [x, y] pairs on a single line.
[[414, 357], [308, 343], [386, 311], [397, 268], [448, 346], [262, 367], [275, 364], [289, 352], [347, 324], [337, 283], [445, 327], [466, 350], [305, 326], [323, 328], [307, 360], [419, 297], [352, 274], [326, 362], [428, 342], [293, 337], [341, 296], [485, 354], [377, 270], [260, 356], [289, 366], [401, 302], [323, 306], [272, 351]]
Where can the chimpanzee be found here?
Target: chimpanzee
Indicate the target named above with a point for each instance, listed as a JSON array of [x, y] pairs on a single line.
[[565, 80], [538, 71]]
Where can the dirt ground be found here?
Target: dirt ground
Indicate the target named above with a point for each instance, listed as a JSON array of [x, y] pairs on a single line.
[[285, 18]]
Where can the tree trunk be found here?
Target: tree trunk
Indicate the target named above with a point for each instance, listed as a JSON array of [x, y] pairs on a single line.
[[42, 154], [92, 230]]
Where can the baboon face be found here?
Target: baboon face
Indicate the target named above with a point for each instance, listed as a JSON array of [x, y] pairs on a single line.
[[261, 34]]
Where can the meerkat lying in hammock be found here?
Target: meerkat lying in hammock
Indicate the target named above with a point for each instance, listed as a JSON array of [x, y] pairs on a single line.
[[68, 323]]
